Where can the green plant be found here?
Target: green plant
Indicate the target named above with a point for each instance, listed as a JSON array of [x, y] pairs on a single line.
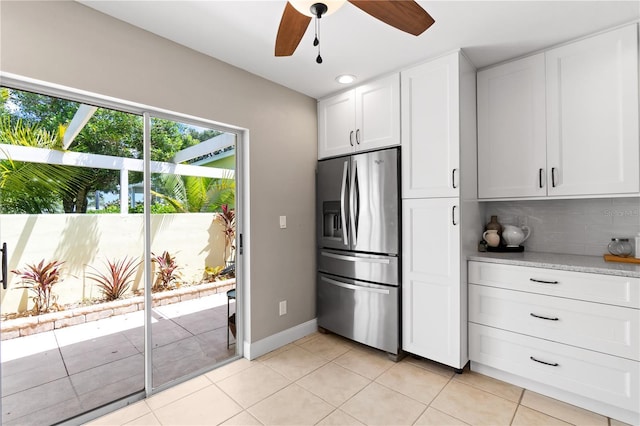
[[167, 273], [40, 279], [212, 272], [116, 281]]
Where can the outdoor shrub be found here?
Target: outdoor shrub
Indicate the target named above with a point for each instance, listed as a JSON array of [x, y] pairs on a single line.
[[219, 273], [40, 279], [116, 281], [167, 273], [228, 221], [212, 273]]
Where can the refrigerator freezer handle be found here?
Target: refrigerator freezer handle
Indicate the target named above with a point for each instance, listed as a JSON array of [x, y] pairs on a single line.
[[343, 216], [384, 260], [354, 287]]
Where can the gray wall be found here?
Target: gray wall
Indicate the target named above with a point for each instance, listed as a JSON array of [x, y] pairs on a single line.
[[67, 43], [570, 226]]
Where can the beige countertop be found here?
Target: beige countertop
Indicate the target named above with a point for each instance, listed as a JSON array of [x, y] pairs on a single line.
[[566, 262]]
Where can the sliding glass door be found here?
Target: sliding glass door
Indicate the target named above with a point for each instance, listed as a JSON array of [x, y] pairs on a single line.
[[101, 240]]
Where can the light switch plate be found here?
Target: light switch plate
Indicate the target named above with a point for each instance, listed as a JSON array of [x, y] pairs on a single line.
[[283, 222]]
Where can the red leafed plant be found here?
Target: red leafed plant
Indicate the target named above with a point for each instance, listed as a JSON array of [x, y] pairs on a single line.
[[116, 281], [228, 221], [167, 273], [40, 280]]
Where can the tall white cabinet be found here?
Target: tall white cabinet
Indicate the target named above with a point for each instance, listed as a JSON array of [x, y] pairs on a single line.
[[562, 123], [364, 118], [440, 218]]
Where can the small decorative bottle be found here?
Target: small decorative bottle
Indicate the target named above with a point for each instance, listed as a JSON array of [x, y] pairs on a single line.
[[494, 225]]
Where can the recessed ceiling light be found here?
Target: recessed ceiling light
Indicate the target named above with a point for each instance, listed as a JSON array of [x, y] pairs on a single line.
[[346, 78]]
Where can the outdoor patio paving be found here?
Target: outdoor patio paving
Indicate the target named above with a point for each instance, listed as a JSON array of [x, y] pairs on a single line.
[[48, 377]]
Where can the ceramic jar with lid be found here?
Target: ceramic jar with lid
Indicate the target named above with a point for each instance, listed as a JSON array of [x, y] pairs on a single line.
[[494, 225]]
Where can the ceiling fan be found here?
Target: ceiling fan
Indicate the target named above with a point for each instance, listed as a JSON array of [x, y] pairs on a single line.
[[405, 15]]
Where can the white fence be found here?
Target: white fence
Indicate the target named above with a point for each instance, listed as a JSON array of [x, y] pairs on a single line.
[[83, 240]]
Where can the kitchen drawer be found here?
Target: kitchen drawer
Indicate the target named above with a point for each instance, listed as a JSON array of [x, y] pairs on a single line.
[[605, 328], [610, 289], [604, 378]]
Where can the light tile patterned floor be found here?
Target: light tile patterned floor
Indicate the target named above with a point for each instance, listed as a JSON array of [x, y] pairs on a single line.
[[326, 380]]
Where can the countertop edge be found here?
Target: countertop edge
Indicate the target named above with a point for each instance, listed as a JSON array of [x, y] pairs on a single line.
[[563, 262]]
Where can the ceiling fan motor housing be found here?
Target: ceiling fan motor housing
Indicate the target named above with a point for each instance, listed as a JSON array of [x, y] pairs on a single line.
[[318, 9]]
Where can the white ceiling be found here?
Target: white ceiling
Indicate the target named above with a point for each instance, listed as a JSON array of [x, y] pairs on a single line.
[[243, 33]]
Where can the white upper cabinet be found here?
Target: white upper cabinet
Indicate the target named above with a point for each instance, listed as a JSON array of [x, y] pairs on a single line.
[[592, 115], [562, 123], [365, 118], [512, 130], [336, 124], [430, 129]]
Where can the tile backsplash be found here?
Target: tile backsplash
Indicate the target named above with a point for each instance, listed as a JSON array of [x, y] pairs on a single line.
[[570, 226]]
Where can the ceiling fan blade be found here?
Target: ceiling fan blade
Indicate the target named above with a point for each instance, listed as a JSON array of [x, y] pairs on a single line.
[[293, 25], [405, 15]]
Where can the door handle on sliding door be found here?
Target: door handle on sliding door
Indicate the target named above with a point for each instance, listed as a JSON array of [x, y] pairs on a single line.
[[5, 255]]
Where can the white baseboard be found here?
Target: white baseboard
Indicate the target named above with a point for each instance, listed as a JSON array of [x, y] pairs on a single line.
[[275, 341]]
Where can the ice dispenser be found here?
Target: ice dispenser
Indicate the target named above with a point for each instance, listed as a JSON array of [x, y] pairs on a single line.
[[332, 222]]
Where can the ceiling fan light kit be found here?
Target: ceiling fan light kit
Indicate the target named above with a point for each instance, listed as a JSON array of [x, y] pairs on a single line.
[[306, 7], [405, 15]]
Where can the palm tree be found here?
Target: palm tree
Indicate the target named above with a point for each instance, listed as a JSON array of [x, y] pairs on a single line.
[[33, 187], [195, 193]]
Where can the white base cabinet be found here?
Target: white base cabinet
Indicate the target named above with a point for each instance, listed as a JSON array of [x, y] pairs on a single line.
[[431, 293], [558, 333]]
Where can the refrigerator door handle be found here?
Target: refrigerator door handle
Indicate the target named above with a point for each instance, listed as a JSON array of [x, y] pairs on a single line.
[[356, 258], [354, 205], [354, 287], [343, 216]]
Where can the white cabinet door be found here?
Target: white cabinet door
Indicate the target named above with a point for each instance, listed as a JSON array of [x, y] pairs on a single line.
[[362, 119], [431, 129], [592, 115], [512, 129], [378, 114], [431, 294], [336, 118]]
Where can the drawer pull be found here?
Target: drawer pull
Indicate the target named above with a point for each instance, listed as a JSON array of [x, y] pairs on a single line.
[[543, 281], [553, 364], [543, 317]]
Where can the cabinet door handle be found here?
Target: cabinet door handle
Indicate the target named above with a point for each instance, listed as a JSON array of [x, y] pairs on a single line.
[[543, 281], [540, 177], [358, 136], [553, 364], [351, 138], [544, 318], [453, 215], [553, 177], [453, 178]]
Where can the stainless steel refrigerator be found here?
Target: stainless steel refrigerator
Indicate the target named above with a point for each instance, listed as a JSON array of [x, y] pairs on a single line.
[[358, 235]]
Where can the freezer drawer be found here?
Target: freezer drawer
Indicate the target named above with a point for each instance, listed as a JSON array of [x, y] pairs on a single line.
[[364, 312], [366, 267]]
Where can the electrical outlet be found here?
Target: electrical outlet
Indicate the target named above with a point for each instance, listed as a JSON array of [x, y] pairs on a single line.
[[283, 307], [283, 222]]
